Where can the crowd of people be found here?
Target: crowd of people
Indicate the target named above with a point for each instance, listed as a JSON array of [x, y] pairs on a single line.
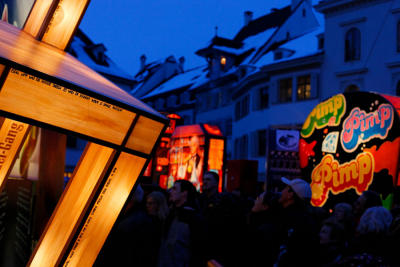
[[182, 227]]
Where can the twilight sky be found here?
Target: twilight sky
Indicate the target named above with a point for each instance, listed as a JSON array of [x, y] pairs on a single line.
[[159, 28]]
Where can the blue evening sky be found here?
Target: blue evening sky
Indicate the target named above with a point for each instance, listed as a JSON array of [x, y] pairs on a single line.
[[159, 28]]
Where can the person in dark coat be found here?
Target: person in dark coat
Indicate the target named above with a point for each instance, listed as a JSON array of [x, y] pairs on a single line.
[[134, 239], [298, 230], [184, 237]]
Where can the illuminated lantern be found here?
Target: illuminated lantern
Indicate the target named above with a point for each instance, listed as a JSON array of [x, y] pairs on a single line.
[[158, 171], [44, 86], [347, 141], [194, 150]]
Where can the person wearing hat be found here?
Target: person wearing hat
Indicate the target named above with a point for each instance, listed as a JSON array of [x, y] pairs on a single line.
[[297, 191], [298, 229]]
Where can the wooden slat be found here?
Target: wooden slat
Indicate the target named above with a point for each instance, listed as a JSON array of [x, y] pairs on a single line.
[[36, 21], [64, 22], [34, 98], [23, 49], [144, 135], [105, 211], [72, 206], [12, 136]]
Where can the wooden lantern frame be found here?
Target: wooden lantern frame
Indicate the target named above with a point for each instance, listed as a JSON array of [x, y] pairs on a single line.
[[42, 85]]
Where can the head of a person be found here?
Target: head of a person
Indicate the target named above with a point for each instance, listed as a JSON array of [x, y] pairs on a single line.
[[297, 191], [265, 200], [367, 200], [156, 205], [331, 232], [183, 193], [342, 211], [194, 144], [138, 195], [210, 182], [375, 220]]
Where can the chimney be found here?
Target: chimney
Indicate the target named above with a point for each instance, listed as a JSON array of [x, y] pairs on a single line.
[[295, 3], [248, 16], [142, 61], [181, 63]]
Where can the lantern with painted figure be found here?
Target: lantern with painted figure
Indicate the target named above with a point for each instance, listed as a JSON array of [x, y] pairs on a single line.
[[195, 149]]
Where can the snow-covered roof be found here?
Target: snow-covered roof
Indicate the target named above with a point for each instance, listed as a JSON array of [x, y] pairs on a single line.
[[185, 79], [78, 46], [305, 45]]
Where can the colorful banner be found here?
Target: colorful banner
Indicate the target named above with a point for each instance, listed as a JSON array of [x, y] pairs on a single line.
[[348, 139]]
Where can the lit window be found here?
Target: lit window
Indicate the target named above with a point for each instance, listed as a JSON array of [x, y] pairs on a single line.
[[223, 61], [352, 45], [303, 87]]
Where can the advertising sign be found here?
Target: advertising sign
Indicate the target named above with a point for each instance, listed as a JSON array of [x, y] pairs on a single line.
[[348, 139]]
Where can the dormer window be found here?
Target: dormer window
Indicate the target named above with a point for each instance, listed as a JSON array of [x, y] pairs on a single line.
[[278, 55], [223, 61], [97, 52]]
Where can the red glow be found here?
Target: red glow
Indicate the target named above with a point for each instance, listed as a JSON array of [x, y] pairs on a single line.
[[159, 168], [212, 129], [174, 116]]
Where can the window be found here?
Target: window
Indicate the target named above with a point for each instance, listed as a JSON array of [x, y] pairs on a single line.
[[285, 90], [223, 61], [352, 88], [241, 147], [398, 88], [263, 97], [303, 87], [398, 36], [262, 142], [352, 45], [321, 41], [228, 127], [304, 12], [242, 107], [278, 55]]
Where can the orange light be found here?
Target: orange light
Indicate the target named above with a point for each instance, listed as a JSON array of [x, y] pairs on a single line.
[[159, 168], [223, 61]]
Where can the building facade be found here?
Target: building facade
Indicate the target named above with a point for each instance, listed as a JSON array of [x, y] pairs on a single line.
[[260, 86]]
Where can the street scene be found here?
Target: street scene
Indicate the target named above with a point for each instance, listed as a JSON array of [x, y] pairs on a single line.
[[193, 140]]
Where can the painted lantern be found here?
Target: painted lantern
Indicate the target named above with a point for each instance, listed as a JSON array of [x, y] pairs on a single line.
[[348, 140], [195, 149]]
